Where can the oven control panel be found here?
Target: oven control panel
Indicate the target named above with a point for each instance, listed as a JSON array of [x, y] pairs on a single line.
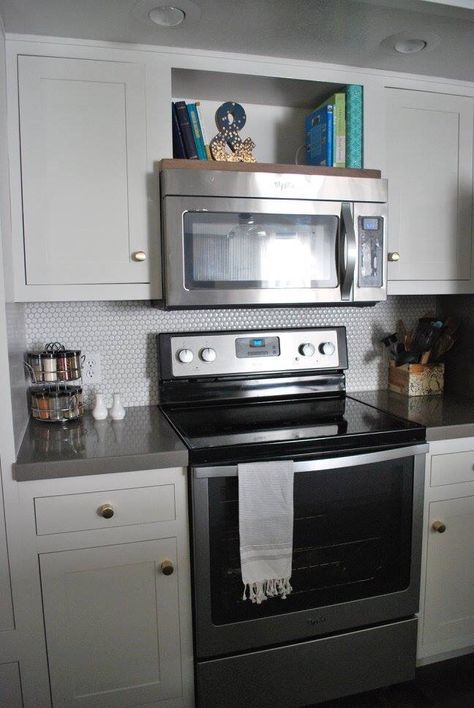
[[256, 346], [258, 352]]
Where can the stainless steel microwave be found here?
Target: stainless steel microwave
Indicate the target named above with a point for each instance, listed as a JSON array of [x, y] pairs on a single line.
[[238, 238]]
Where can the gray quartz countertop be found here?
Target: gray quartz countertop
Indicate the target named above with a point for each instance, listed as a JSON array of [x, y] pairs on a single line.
[[444, 417], [143, 440]]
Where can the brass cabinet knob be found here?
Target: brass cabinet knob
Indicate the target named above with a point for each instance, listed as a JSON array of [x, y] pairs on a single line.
[[438, 526], [106, 511], [394, 256], [139, 256], [167, 567]]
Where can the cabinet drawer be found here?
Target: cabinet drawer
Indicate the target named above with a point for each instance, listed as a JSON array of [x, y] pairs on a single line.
[[82, 512], [452, 468]]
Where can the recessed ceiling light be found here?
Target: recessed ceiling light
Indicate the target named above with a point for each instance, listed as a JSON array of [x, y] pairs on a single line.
[[410, 46], [405, 44], [164, 14], [167, 16]]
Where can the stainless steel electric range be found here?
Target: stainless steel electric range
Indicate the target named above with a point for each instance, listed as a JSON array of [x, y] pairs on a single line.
[[349, 624]]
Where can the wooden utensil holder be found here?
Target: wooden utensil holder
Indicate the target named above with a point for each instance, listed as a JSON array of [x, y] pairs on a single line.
[[416, 379]]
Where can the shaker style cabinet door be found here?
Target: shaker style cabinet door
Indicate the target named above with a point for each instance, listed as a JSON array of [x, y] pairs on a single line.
[[429, 151], [112, 629], [448, 621], [10, 686], [83, 170]]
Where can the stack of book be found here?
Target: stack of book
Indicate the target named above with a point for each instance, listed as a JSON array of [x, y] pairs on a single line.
[[188, 137], [333, 131]]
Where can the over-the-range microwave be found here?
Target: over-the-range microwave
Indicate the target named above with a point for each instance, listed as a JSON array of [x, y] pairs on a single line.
[[244, 237]]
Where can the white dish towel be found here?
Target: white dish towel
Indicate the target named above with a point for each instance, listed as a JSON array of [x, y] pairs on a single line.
[[266, 528]]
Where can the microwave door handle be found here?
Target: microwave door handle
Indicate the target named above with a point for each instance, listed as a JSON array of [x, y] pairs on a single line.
[[348, 251]]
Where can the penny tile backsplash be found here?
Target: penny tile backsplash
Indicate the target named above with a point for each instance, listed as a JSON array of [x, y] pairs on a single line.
[[124, 334]]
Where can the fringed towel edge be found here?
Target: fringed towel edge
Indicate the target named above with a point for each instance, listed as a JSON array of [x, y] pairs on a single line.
[[262, 590]]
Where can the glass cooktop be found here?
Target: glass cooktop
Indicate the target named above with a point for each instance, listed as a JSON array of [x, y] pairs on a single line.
[[241, 431]]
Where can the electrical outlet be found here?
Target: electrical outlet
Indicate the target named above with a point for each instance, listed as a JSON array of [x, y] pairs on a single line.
[[91, 372]]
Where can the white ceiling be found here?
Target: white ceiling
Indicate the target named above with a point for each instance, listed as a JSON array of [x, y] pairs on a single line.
[[340, 31]]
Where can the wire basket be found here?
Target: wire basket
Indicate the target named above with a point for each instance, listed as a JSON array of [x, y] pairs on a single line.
[[52, 400], [58, 403]]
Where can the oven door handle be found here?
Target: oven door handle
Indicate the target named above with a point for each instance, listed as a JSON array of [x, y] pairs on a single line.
[[349, 251], [322, 464]]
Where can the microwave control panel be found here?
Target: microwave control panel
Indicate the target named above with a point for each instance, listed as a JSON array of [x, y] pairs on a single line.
[[371, 243]]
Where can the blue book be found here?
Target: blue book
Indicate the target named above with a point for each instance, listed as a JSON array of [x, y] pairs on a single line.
[[319, 136], [197, 131], [186, 130], [354, 126], [179, 150]]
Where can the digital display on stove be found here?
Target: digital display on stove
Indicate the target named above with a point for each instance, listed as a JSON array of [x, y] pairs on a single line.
[[246, 347]]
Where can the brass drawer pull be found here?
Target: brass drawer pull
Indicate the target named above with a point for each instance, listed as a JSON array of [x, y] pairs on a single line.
[[167, 567], [106, 511], [438, 526]]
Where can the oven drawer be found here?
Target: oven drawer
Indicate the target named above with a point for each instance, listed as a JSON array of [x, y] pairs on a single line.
[[97, 510], [311, 672], [452, 468]]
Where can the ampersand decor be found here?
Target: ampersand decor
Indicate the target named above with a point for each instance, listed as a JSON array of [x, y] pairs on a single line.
[[230, 119]]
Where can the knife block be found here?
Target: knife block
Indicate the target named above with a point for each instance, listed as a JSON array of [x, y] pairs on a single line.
[[416, 379]]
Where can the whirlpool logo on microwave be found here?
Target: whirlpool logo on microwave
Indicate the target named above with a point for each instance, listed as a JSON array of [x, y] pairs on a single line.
[[284, 186]]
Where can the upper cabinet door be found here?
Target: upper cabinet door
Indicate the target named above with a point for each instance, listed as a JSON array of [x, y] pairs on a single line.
[[84, 170], [429, 139]]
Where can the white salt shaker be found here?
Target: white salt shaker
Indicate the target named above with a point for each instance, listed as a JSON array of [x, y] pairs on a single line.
[[99, 412], [117, 412]]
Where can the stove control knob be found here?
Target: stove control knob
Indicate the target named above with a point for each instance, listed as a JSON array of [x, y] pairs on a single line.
[[185, 356], [208, 354], [327, 348], [306, 349]]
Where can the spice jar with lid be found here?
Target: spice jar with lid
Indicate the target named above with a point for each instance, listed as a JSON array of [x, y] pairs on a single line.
[[49, 366], [35, 366], [73, 364]]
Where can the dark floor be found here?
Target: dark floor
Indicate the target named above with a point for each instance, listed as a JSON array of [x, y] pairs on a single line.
[[448, 684]]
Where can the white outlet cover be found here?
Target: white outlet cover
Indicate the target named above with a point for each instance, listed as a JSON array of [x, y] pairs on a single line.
[[91, 370]]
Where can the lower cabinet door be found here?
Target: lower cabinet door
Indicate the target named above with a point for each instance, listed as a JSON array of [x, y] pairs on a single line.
[[112, 625], [10, 687], [448, 622]]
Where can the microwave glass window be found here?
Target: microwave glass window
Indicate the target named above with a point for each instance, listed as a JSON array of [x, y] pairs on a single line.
[[226, 250]]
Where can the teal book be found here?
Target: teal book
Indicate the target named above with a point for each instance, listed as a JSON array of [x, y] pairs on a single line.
[[354, 126], [197, 131]]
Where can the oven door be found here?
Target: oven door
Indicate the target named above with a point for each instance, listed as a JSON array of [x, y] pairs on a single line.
[[233, 252], [356, 551]]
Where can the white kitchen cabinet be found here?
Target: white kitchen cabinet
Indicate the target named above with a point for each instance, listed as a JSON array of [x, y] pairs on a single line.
[[429, 158], [83, 155], [114, 562], [10, 686], [447, 597], [112, 624], [89, 219]]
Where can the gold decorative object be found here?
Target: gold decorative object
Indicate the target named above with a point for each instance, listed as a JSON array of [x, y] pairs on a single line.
[[230, 119]]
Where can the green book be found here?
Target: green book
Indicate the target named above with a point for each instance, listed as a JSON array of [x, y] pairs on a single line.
[[354, 126], [338, 101]]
